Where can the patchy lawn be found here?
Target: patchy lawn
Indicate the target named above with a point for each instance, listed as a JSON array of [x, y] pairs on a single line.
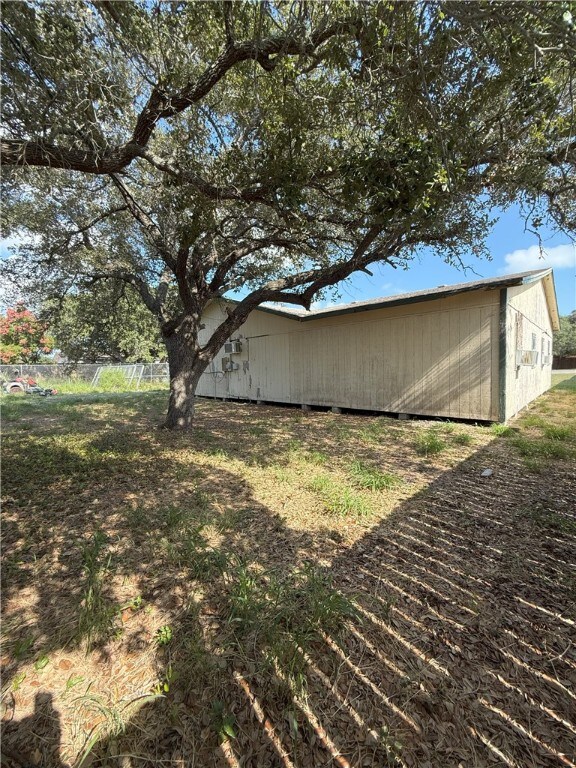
[[283, 588]]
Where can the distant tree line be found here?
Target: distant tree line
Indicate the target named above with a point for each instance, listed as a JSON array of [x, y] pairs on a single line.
[[565, 338]]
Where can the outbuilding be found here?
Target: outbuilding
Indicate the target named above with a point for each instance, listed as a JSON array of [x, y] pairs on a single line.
[[480, 350]]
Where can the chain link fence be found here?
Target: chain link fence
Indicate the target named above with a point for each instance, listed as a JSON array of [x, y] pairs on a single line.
[[153, 373]]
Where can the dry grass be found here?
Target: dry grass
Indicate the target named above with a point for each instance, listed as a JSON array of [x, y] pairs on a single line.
[[286, 589]]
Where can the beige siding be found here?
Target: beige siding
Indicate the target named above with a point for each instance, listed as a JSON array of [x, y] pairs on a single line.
[[526, 317], [435, 357]]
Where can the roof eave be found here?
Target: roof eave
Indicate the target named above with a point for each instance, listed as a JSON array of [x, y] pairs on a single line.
[[551, 301], [438, 294]]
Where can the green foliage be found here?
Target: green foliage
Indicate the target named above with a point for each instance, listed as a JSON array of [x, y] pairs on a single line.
[[113, 381], [565, 337], [163, 635], [41, 663], [369, 477], [544, 441], [223, 722], [558, 432], [339, 499], [329, 136], [284, 614], [550, 521], [501, 430], [109, 321], [429, 443], [98, 615], [461, 438], [22, 647], [542, 448], [565, 381]]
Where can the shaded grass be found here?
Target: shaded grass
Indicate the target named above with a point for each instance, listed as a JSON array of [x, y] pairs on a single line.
[[550, 521], [284, 614], [548, 435], [98, 613], [540, 447], [564, 381], [196, 540]]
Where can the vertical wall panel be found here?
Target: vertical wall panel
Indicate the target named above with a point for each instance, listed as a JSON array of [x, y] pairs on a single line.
[[526, 314], [431, 358]]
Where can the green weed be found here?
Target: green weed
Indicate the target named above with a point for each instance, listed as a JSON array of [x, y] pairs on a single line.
[[98, 615], [163, 635], [316, 457], [551, 521], [461, 438], [222, 722], [41, 663], [72, 682], [135, 604], [284, 614], [21, 647], [163, 685], [533, 420], [501, 430], [245, 596], [365, 476], [91, 705], [258, 430], [339, 499], [17, 681], [541, 448], [534, 465], [392, 747], [555, 432], [429, 442], [374, 432]]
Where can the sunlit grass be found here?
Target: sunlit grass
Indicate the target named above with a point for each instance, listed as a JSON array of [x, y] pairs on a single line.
[[429, 443], [339, 499], [365, 476]]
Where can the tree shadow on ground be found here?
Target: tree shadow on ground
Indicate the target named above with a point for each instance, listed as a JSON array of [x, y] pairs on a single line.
[[460, 652]]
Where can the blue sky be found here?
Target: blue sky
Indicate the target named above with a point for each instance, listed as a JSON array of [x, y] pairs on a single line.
[[512, 249]]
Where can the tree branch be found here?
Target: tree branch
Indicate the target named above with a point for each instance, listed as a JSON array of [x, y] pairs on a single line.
[[163, 105], [150, 228], [95, 221]]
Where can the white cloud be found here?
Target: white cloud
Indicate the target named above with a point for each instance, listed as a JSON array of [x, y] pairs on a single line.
[[559, 257], [392, 289]]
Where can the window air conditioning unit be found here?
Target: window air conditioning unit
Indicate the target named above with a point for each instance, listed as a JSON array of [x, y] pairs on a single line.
[[546, 360], [233, 347], [526, 357]]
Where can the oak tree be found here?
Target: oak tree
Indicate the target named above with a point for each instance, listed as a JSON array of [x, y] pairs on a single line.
[[195, 149]]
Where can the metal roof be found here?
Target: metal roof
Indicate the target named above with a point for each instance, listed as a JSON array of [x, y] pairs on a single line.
[[441, 291]]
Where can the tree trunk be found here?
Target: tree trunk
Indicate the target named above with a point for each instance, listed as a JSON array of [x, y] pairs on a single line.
[[185, 368]]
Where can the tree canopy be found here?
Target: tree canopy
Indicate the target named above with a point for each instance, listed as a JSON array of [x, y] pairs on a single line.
[[565, 336], [23, 338], [193, 149], [109, 321]]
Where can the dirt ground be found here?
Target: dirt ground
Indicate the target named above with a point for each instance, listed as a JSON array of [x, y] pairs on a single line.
[[287, 589]]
